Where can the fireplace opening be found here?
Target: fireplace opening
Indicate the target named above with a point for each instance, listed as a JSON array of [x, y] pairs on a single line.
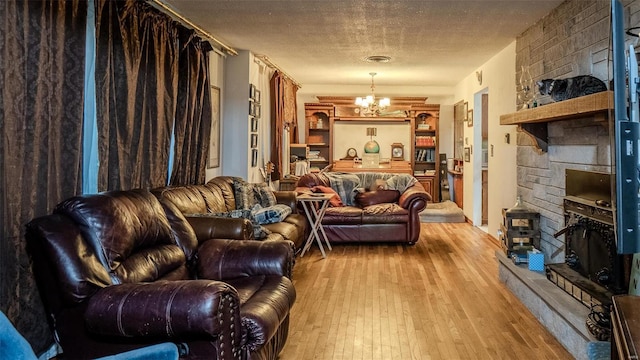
[[593, 270]]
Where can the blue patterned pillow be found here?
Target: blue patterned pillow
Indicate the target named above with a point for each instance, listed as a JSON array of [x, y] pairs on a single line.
[[270, 214], [247, 195]]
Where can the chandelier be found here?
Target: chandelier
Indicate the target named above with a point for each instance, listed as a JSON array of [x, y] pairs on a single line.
[[369, 105]]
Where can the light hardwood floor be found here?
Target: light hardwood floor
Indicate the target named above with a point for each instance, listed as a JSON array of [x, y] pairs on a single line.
[[439, 299]]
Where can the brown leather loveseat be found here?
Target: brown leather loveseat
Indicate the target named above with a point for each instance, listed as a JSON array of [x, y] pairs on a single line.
[[369, 207], [220, 195], [119, 270]]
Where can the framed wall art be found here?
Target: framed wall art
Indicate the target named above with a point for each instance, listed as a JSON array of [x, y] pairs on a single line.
[[254, 141], [470, 118], [258, 110], [252, 92], [467, 154], [252, 108], [254, 124], [256, 96], [213, 160], [254, 157]]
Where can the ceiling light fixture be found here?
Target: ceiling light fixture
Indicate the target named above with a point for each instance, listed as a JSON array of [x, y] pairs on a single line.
[[368, 105]]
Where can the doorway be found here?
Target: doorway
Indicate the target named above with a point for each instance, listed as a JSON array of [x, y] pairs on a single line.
[[480, 159]]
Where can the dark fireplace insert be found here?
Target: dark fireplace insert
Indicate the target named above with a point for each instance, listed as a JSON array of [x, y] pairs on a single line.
[[593, 271]]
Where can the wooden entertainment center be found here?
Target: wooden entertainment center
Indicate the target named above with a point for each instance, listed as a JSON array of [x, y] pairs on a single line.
[[419, 157]]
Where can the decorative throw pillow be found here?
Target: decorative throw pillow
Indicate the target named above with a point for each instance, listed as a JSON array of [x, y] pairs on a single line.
[[335, 200], [249, 194], [270, 214], [377, 197], [264, 195]]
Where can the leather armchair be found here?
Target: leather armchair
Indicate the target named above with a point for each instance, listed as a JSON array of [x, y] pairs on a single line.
[[117, 272]]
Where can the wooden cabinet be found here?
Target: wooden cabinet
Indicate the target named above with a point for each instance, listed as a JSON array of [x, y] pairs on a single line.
[[318, 129], [426, 158], [625, 324], [427, 184]]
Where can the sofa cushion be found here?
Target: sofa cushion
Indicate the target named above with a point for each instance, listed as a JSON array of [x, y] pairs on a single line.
[[270, 214], [335, 200], [343, 215], [369, 198], [387, 213]]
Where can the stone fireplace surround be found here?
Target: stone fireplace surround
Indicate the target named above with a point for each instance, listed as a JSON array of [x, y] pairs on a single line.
[[572, 40], [574, 137]]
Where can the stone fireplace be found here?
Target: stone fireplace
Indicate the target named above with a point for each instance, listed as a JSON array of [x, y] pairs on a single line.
[[572, 40]]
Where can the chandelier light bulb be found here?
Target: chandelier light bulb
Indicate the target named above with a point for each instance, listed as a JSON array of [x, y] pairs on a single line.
[[368, 105]]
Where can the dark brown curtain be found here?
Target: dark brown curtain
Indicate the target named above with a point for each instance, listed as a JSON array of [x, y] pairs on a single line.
[[283, 116], [42, 52], [136, 77], [193, 118]]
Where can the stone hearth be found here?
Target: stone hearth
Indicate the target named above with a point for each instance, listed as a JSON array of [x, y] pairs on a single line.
[[556, 310]]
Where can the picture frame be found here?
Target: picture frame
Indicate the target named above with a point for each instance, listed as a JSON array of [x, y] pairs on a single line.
[[467, 154], [252, 108], [465, 111], [254, 124], [213, 160], [257, 96], [257, 110], [252, 91], [254, 141], [254, 157], [470, 118]]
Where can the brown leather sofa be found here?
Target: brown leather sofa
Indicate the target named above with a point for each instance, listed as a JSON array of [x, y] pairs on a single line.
[[375, 214], [218, 196], [119, 270]]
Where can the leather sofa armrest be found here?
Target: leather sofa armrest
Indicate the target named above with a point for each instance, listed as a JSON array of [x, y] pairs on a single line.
[[414, 196], [211, 227], [288, 198], [167, 310], [222, 259]]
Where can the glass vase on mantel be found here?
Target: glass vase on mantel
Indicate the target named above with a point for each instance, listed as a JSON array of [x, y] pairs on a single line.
[[525, 95]]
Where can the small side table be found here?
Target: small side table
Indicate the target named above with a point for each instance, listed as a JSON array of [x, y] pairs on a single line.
[[314, 206]]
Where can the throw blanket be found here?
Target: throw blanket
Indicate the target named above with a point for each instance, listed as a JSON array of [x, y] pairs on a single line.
[[367, 180], [401, 182], [345, 185]]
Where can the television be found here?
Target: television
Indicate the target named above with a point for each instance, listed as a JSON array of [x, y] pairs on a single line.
[[626, 135]]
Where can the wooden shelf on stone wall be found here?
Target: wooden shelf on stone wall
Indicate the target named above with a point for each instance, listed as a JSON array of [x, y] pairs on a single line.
[[534, 121]]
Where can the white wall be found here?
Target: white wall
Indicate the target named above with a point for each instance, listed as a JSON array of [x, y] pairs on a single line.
[[499, 83], [347, 134], [240, 71]]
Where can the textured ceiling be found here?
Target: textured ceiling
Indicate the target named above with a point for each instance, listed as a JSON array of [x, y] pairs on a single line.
[[432, 43]]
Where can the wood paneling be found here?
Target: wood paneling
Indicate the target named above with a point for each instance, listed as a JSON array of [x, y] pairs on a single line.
[[439, 299]]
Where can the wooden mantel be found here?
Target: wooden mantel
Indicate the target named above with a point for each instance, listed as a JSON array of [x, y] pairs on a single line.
[[534, 121]]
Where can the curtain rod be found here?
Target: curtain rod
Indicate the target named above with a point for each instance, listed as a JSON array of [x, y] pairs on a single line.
[[160, 5], [265, 59]]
